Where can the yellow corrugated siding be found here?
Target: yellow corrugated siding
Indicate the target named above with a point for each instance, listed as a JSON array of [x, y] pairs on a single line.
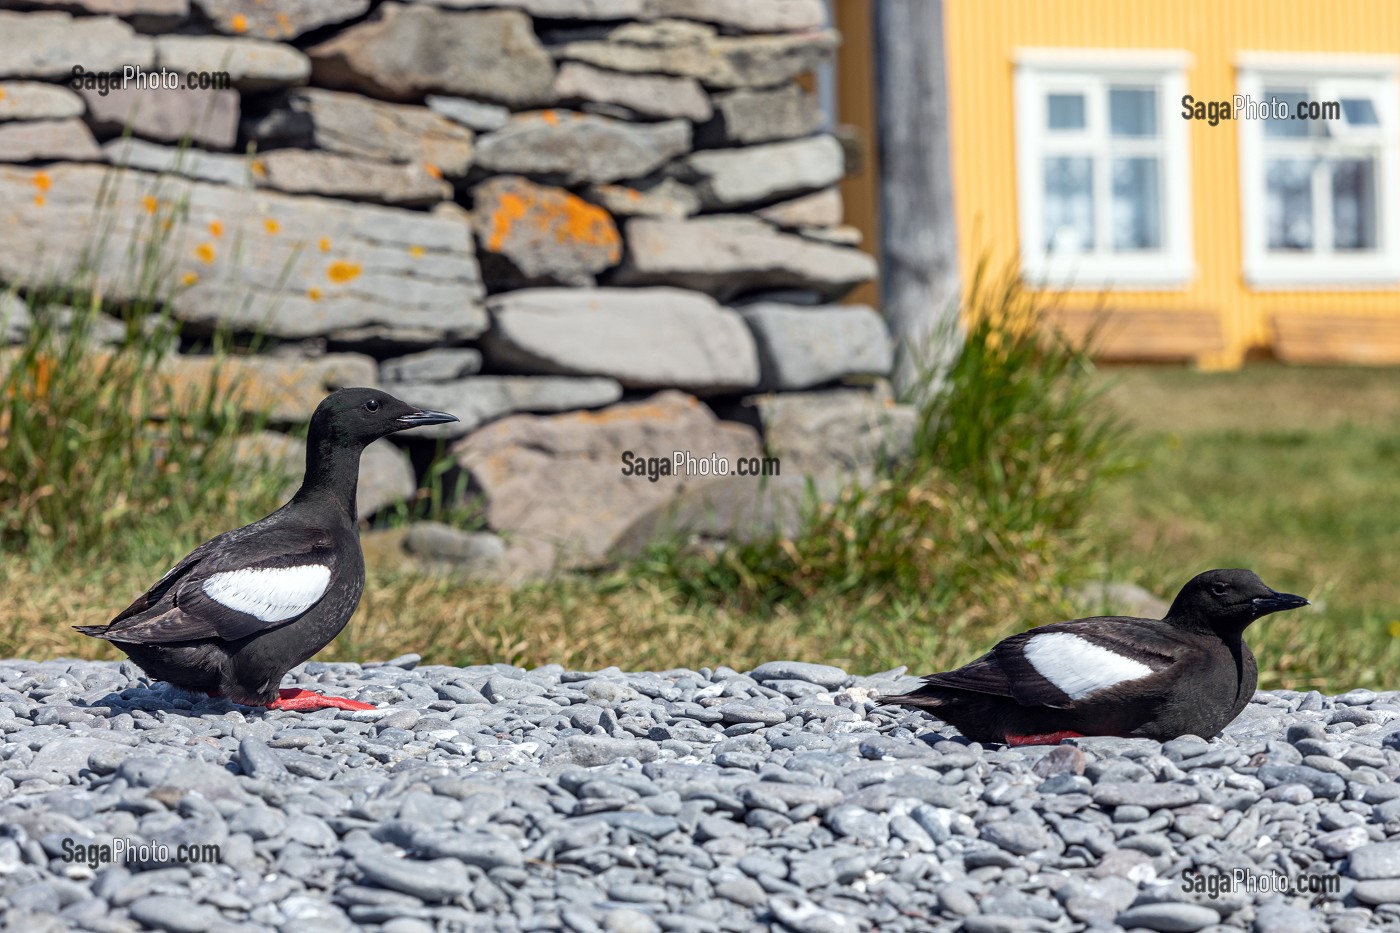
[[982, 37]]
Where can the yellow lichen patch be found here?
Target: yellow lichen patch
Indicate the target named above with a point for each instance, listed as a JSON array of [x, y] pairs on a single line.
[[239, 23], [205, 252], [149, 204], [259, 168], [285, 22], [432, 170], [313, 293], [271, 225], [216, 228], [40, 200], [189, 278], [41, 180], [325, 244], [417, 252], [550, 116], [342, 271], [556, 215], [2, 93]]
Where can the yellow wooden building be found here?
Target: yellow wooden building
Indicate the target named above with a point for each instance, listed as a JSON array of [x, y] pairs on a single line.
[[1214, 180]]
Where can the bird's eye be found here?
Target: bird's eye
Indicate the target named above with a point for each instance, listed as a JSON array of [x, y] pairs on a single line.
[[372, 405], [1220, 589]]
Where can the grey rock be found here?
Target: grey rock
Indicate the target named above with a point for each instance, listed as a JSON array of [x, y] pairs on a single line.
[[1016, 837], [1375, 861], [1320, 783], [530, 234], [15, 318], [47, 45], [173, 914], [835, 431], [407, 50], [286, 19], [1151, 796], [303, 171], [220, 168], [803, 916], [207, 118], [436, 541], [252, 64], [819, 209], [432, 881], [1110, 598], [1284, 918], [1340, 842], [477, 400], [559, 9], [1378, 892], [402, 271], [729, 255], [640, 337], [823, 675], [773, 16], [35, 100], [352, 125], [386, 475], [651, 96], [663, 197], [472, 114], [47, 140], [259, 761], [576, 148], [727, 179], [580, 512], [1062, 759], [1169, 918], [591, 751], [441, 364], [675, 47], [800, 347], [749, 116]]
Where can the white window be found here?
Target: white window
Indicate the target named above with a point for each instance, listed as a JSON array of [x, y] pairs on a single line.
[[1320, 197], [1103, 169]]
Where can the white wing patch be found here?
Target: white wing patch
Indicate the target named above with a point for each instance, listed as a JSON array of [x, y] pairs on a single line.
[[271, 594], [1080, 667]]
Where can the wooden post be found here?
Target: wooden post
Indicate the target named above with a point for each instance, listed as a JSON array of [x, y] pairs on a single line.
[[919, 256]]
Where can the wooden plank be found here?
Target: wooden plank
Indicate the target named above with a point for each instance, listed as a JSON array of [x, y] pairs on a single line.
[[1336, 338], [1132, 334]]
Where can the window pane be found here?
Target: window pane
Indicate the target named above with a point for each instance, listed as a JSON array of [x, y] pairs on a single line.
[[1132, 111], [1137, 215], [1288, 183], [1354, 204], [1360, 111], [1069, 204], [1065, 112], [1290, 98]]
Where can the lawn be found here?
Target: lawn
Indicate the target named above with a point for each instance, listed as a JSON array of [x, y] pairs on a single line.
[[1291, 472]]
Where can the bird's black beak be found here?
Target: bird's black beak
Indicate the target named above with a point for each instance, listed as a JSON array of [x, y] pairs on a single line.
[[425, 416], [1277, 602]]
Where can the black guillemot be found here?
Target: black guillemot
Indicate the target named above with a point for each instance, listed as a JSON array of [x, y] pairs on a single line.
[[244, 608], [1188, 673]]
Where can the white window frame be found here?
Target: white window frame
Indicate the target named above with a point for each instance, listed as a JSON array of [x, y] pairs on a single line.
[[1041, 71], [1327, 78]]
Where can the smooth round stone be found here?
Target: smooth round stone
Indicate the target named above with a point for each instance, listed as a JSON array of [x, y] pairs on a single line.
[[1377, 860], [1169, 918]]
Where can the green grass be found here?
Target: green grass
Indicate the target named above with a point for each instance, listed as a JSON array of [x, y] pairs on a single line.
[[1289, 472]]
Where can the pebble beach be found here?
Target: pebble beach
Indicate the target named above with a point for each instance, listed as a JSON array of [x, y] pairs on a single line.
[[786, 798]]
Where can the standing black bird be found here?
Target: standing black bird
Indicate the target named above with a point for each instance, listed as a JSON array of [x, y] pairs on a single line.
[[1189, 673], [245, 607]]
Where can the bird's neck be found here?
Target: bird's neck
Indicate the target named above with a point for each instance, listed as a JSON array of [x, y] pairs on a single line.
[[332, 475]]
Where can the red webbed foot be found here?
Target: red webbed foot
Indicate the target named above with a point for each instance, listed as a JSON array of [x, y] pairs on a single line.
[[294, 698], [1041, 738]]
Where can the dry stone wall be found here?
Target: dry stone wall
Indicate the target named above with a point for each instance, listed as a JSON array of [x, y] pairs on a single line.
[[588, 227]]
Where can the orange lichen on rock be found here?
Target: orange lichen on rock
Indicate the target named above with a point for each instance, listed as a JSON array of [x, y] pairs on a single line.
[[551, 214]]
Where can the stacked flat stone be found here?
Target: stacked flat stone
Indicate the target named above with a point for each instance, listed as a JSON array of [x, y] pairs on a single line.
[[517, 211]]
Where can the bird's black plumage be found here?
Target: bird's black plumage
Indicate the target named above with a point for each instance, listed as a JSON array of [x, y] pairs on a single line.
[[1188, 673], [245, 607]]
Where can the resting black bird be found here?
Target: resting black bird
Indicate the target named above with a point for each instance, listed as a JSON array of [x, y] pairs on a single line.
[[245, 607], [1189, 673]]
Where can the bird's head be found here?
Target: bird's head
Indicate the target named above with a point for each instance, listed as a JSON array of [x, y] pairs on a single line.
[[1227, 601], [360, 416]]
